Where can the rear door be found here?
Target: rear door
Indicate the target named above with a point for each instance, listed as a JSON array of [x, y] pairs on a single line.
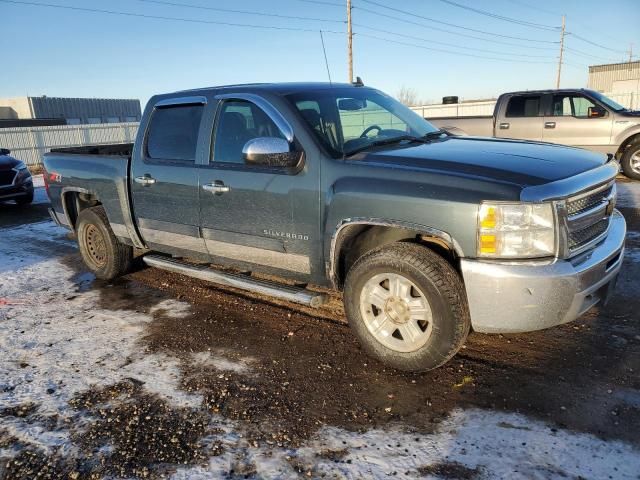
[[521, 117], [260, 218], [164, 182], [571, 120]]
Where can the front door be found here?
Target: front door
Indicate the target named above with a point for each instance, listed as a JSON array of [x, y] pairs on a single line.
[[576, 120], [521, 118], [164, 181], [262, 218]]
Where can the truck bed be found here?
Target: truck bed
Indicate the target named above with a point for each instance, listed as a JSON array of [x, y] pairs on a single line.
[[477, 126], [117, 149]]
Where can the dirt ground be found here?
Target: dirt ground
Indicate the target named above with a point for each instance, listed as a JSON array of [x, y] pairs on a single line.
[[158, 375]]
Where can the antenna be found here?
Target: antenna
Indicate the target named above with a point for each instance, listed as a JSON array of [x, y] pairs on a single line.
[[326, 62]]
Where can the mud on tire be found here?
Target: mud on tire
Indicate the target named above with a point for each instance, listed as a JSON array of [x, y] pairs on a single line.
[[101, 251], [440, 330]]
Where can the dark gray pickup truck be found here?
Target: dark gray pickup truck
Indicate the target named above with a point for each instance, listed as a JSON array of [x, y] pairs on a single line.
[[427, 235]]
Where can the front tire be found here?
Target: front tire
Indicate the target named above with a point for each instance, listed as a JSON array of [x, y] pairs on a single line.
[[631, 161], [407, 306], [101, 251]]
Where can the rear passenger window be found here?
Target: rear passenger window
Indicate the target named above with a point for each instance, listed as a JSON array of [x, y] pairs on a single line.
[[524, 106], [173, 133]]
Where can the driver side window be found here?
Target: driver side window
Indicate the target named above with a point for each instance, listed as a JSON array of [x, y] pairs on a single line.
[[238, 122]]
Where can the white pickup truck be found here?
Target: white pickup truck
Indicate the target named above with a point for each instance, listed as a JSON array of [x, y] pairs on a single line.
[[576, 117]]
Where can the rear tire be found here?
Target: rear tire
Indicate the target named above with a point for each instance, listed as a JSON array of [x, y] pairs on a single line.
[[407, 290], [631, 161], [101, 251]]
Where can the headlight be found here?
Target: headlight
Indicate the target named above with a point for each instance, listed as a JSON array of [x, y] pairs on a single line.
[[516, 230]]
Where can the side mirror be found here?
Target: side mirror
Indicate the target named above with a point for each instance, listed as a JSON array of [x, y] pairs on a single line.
[[4, 151], [596, 112], [270, 152]]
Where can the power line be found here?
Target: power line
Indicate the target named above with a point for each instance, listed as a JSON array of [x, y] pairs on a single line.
[[537, 8], [413, 37], [501, 17], [412, 14], [160, 17], [586, 55], [244, 12], [430, 27], [449, 51], [574, 35]]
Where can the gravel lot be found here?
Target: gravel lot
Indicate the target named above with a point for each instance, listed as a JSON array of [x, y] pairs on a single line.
[[160, 376]]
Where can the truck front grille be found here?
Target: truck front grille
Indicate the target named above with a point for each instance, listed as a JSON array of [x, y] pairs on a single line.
[[6, 177], [580, 238], [575, 207], [588, 217]]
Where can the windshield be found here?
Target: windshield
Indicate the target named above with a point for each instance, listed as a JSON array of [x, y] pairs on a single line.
[[608, 102], [347, 120]]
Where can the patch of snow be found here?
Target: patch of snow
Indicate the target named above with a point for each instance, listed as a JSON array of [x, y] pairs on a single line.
[[56, 341], [220, 362], [499, 445]]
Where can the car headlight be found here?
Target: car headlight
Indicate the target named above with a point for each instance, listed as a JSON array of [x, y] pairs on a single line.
[[516, 230]]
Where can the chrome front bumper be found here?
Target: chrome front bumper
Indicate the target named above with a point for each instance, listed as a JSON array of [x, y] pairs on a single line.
[[522, 297]]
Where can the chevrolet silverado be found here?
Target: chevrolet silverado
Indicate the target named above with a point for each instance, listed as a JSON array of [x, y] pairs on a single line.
[[427, 235]]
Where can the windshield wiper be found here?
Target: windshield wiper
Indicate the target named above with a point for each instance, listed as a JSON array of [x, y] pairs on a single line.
[[434, 134], [387, 141]]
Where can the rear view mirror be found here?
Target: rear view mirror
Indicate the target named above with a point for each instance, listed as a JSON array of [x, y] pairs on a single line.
[[351, 104], [270, 152], [596, 112], [4, 151]]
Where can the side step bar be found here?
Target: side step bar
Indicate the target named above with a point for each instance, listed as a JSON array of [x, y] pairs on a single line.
[[243, 282]]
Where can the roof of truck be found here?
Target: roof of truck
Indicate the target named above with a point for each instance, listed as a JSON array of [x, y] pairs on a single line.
[[279, 88], [549, 90]]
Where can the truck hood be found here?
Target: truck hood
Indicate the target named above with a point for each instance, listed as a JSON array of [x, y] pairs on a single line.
[[506, 161]]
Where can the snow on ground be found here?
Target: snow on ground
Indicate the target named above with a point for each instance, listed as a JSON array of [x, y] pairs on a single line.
[[58, 339]]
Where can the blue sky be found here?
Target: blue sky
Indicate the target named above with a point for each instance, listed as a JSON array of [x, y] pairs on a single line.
[[58, 52]]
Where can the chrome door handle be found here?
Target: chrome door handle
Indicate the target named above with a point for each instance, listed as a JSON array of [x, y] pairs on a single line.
[[145, 180], [504, 126], [549, 124], [217, 187]]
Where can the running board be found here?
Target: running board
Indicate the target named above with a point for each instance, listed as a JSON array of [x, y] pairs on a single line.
[[243, 282]]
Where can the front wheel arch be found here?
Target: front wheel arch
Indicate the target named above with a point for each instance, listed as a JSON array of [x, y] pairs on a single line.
[[355, 238]]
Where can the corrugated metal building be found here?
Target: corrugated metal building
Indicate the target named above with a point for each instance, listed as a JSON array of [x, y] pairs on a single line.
[[74, 110], [615, 77]]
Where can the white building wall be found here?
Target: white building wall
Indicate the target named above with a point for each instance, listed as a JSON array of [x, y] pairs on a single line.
[[29, 144]]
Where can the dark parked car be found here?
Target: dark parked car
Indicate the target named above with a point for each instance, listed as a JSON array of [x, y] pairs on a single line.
[[15, 179]]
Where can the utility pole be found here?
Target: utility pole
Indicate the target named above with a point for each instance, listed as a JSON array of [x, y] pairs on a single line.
[[561, 53], [349, 41], [630, 52]]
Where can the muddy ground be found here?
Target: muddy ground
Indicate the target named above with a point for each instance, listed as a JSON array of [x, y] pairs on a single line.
[[275, 390]]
